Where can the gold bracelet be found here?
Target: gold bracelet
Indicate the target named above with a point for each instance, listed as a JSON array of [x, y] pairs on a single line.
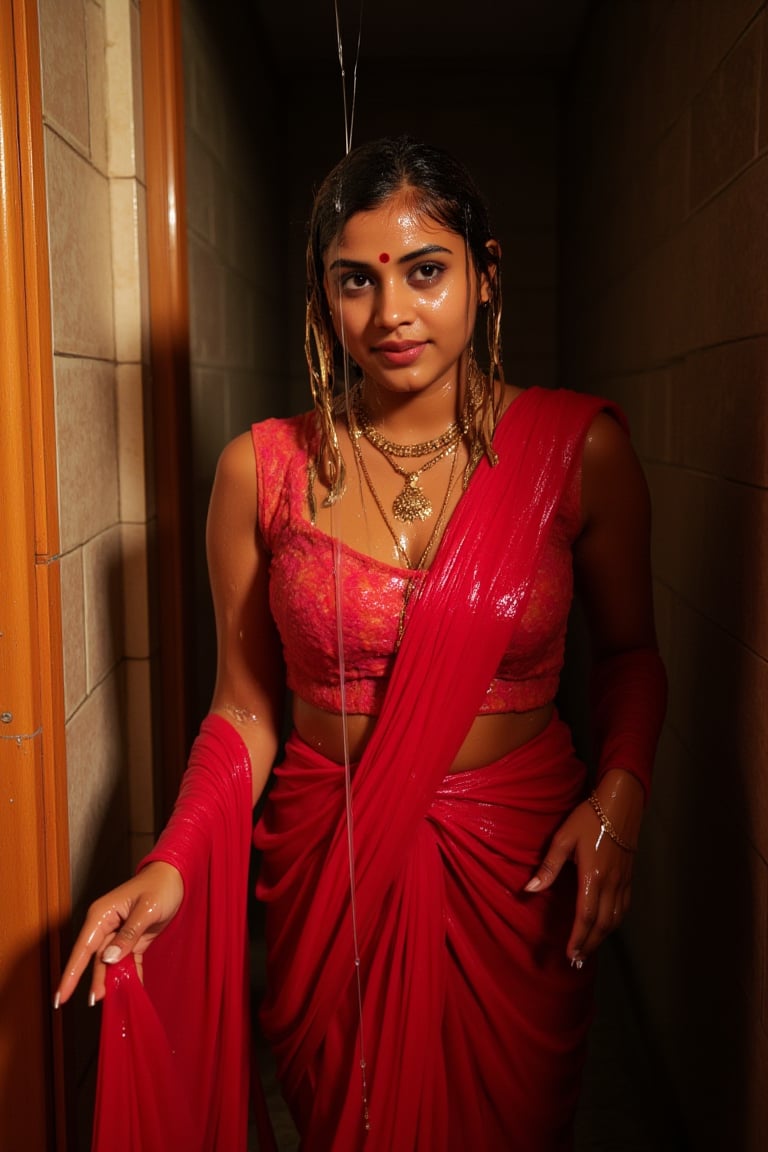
[[606, 825]]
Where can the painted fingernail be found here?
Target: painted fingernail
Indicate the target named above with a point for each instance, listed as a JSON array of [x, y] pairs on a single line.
[[111, 955], [577, 962], [533, 885], [92, 1000], [56, 1000]]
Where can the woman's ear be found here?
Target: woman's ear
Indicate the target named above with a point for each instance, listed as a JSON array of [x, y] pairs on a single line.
[[494, 253]]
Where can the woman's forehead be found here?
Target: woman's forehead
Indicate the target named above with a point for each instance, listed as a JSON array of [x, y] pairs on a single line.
[[397, 225]]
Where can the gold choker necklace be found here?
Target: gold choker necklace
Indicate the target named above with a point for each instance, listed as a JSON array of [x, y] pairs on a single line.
[[451, 436]]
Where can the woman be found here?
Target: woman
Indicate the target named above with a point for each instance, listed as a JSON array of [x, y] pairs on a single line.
[[436, 873]]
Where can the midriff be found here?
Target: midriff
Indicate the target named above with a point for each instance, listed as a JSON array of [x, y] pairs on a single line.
[[490, 738]]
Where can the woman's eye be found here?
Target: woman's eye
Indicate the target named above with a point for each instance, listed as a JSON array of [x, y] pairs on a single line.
[[354, 281], [426, 273]]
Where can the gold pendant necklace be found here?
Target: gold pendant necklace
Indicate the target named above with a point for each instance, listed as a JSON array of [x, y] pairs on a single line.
[[412, 503], [399, 545]]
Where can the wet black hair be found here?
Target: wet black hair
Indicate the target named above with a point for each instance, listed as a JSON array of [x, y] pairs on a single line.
[[440, 186]]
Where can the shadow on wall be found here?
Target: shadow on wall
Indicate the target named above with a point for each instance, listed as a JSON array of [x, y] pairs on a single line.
[[695, 934]]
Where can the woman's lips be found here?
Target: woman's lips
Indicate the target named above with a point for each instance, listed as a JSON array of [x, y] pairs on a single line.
[[400, 354]]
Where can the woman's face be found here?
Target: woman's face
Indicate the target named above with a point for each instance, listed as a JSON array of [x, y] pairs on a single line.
[[403, 293]]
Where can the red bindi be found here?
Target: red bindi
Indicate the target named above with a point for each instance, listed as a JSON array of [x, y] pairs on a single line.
[[384, 258]]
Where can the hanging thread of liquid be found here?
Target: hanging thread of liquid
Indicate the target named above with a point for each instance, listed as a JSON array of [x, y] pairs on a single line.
[[349, 112], [349, 117]]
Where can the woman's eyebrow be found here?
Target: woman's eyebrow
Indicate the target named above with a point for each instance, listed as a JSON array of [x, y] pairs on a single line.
[[427, 250]]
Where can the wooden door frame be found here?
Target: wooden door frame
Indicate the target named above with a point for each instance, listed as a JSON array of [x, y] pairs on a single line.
[[163, 99], [35, 891], [35, 888]]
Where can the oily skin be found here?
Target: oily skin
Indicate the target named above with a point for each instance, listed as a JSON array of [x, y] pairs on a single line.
[[406, 321]]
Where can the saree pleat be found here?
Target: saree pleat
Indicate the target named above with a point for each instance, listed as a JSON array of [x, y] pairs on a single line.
[[412, 890], [453, 975]]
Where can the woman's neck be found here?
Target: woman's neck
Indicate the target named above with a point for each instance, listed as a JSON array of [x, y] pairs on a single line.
[[407, 417]]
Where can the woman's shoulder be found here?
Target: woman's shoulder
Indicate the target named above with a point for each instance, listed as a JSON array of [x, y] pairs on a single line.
[[278, 435], [266, 445]]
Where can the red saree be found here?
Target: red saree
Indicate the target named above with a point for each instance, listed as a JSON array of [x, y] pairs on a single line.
[[173, 1057], [474, 1023]]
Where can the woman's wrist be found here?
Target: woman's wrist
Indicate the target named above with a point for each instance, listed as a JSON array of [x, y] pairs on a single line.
[[620, 797]]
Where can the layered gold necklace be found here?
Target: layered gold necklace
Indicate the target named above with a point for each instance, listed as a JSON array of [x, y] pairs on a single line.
[[412, 503]]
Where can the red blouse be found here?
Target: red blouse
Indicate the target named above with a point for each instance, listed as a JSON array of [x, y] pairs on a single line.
[[303, 604]]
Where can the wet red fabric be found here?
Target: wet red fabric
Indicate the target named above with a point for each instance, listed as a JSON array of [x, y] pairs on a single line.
[[474, 1022], [173, 1060], [628, 702], [437, 860]]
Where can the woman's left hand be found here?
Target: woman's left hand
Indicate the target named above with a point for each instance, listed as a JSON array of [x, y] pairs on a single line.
[[603, 867]]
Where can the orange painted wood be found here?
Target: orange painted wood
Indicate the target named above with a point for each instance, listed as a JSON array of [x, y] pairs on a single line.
[[34, 878], [170, 385]]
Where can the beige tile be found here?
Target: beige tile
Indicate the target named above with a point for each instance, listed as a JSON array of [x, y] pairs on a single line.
[[728, 257], [126, 269], [756, 1062], [135, 591], [745, 412], [719, 27], [104, 605], [763, 105], [724, 119], [97, 94], [200, 188], [65, 70], [207, 304], [210, 422], [80, 255], [699, 411], [73, 630], [138, 727], [141, 216], [131, 442], [121, 52], [87, 448], [242, 310], [739, 562], [138, 93], [96, 783]]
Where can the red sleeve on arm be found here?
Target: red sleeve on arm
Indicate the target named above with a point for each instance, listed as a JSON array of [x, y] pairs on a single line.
[[628, 702]]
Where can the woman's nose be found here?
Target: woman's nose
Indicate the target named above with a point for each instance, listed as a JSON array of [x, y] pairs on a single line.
[[393, 304]]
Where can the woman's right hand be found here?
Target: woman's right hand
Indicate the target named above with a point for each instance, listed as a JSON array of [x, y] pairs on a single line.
[[125, 920]]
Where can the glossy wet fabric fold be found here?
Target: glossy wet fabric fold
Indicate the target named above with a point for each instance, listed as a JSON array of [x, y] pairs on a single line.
[[434, 1054], [173, 1060], [473, 1039], [471, 1029]]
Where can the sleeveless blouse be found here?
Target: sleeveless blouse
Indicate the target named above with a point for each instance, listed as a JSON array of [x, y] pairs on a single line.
[[302, 593]]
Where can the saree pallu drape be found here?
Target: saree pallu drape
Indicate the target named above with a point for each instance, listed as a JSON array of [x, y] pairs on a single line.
[[174, 1052], [454, 638]]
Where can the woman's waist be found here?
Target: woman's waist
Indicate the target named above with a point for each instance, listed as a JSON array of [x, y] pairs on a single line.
[[490, 737]]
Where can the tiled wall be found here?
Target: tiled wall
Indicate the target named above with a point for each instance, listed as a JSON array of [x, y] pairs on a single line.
[[666, 310], [237, 286], [94, 167], [94, 174]]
